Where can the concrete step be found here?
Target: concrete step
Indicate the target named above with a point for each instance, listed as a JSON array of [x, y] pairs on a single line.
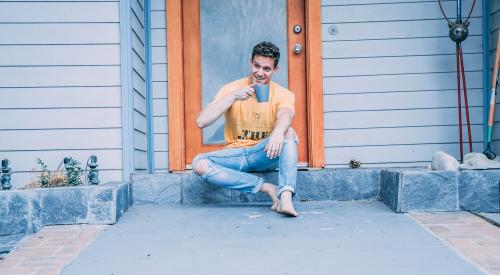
[[403, 190], [316, 185]]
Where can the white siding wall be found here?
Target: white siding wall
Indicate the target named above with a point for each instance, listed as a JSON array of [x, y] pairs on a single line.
[[389, 78], [389, 82], [494, 28], [60, 84], [139, 85], [159, 87]]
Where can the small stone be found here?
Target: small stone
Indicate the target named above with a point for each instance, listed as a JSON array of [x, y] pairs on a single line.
[[478, 161], [444, 161]]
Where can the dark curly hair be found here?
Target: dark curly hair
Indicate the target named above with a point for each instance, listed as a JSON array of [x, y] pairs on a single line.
[[267, 49]]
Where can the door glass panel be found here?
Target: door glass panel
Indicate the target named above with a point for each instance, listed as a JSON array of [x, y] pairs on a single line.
[[229, 30]]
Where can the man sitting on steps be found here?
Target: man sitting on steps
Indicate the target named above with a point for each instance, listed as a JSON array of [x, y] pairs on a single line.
[[258, 134]]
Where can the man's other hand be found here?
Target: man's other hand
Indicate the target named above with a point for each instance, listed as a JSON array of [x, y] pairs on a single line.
[[244, 93], [274, 145]]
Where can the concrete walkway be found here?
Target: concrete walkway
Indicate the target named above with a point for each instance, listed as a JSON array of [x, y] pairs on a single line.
[[327, 238]]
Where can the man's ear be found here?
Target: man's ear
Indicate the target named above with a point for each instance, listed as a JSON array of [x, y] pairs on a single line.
[[276, 68]]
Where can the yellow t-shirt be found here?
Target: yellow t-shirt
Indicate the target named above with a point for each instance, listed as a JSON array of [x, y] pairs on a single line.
[[248, 121]]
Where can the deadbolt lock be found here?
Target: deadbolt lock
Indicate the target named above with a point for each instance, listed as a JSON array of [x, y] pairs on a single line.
[[297, 29]]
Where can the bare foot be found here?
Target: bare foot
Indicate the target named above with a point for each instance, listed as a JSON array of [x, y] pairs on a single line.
[[271, 190], [286, 205]]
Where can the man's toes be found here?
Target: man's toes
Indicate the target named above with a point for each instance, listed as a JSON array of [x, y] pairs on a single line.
[[289, 211]]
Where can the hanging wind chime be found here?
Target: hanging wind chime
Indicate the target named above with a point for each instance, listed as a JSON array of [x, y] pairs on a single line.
[[458, 33]]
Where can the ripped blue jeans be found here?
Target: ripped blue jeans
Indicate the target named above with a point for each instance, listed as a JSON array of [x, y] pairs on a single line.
[[228, 168]]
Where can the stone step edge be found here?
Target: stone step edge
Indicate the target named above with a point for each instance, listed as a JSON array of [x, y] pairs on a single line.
[[312, 185], [469, 190], [28, 211], [349, 184]]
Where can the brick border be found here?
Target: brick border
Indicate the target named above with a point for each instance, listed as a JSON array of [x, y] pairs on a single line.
[[48, 251], [472, 238]]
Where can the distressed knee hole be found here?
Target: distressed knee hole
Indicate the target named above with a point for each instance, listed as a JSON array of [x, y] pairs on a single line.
[[200, 166]]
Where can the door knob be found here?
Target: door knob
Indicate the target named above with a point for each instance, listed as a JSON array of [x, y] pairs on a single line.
[[298, 48]]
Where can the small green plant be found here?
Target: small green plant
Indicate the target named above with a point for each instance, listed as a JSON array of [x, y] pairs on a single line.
[[74, 172]]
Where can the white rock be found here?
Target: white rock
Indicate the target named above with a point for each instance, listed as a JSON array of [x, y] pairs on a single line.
[[478, 161], [443, 161]]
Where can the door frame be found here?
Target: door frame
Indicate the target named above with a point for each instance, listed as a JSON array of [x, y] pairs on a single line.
[[176, 95]]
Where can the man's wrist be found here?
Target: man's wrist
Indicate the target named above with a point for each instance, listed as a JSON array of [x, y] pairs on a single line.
[[279, 130]]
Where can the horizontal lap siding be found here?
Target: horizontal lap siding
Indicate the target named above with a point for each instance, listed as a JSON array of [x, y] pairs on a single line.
[[139, 86], [60, 85], [159, 84], [494, 29], [389, 80]]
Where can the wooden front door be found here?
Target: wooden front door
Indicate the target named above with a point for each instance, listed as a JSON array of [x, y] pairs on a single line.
[[218, 36]]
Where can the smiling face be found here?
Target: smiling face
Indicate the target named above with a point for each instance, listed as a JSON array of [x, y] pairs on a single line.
[[262, 69]]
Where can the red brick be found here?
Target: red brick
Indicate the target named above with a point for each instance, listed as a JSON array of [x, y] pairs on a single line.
[[20, 271], [472, 236], [49, 250], [32, 242], [439, 228], [9, 263], [48, 271]]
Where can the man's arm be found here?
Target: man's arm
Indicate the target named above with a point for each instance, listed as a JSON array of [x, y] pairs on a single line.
[[284, 119], [215, 109]]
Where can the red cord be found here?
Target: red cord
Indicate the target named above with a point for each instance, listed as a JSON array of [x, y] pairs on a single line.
[[465, 99], [459, 104]]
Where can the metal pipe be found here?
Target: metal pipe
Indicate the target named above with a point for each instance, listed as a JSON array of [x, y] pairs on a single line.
[[149, 92], [459, 11]]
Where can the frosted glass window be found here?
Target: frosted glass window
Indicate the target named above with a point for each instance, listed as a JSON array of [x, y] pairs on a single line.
[[229, 30]]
